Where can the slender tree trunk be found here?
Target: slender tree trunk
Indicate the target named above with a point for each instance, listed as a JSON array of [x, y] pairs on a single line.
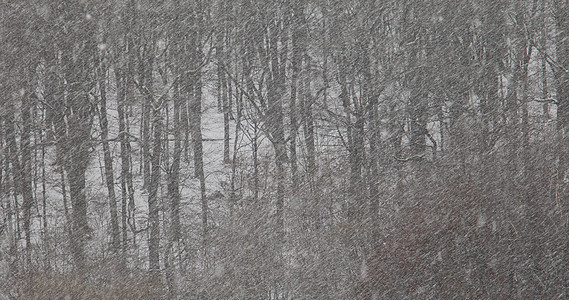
[[250, 93], [78, 63], [127, 189], [13, 246], [126, 156], [3, 161], [297, 52], [222, 93], [146, 79], [543, 59], [174, 174], [153, 207], [5, 189], [525, 113], [194, 91], [562, 88], [186, 129], [26, 176], [233, 195], [275, 90], [124, 150], [65, 201], [13, 157], [80, 227], [109, 176], [374, 152], [41, 165], [43, 174], [275, 128], [513, 102], [418, 122], [308, 121], [196, 132], [255, 145], [489, 87], [14, 161], [358, 149], [355, 171]]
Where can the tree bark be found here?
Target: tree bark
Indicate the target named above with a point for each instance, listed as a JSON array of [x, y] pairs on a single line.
[[297, 50], [174, 174], [275, 90], [223, 91], [78, 62], [26, 176], [153, 205], [196, 133], [154, 159], [109, 176], [125, 150], [562, 87], [308, 122]]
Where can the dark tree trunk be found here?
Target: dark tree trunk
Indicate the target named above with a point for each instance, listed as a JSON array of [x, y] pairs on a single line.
[[275, 92], [109, 176], [418, 123], [562, 88], [14, 161], [77, 159], [153, 105], [308, 121], [196, 132], [223, 91], [355, 170], [153, 205], [297, 50], [26, 175], [78, 63], [174, 174], [125, 150], [13, 157], [239, 109], [370, 94]]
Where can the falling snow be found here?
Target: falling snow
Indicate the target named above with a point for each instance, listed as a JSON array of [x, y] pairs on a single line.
[[284, 149]]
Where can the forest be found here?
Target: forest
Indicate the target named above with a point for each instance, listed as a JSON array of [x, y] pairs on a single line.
[[287, 149]]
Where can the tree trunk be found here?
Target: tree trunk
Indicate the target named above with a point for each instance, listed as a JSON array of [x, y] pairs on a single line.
[[43, 173], [12, 146], [275, 92], [233, 195], [174, 174], [77, 160], [153, 205], [222, 92], [543, 58], [26, 175], [14, 161], [308, 121], [525, 113], [355, 170], [562, 87], [109, 176], [78, 64], [196, 132], [370, 94], [154, 159], [297, 50], [146, 79]]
